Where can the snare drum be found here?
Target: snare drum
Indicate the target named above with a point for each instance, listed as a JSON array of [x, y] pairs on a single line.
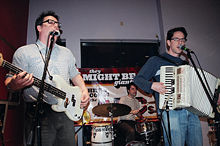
[[101, 134]]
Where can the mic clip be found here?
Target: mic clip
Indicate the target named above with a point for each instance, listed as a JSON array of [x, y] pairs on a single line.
[[55, 33], [182, 47]]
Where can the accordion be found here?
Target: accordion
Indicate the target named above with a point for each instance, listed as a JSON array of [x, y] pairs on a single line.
[[184, 90]]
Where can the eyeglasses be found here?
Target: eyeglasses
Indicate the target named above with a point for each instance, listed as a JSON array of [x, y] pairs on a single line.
[[179, 39], [50, 21]]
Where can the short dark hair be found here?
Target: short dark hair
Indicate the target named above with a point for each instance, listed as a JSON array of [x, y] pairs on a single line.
[[172, 31], [40, 19], [129, 86]]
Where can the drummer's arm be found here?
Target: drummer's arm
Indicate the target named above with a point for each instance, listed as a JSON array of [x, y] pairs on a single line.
[[134, 112], [140, 116], [137, 113]]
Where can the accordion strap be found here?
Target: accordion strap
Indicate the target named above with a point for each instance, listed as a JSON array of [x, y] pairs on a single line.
[[177, 64]]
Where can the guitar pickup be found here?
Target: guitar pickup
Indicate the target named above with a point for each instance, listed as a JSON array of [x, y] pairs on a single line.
[[73, 100], [66, 103]]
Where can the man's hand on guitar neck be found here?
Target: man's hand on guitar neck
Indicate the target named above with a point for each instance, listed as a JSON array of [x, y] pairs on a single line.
[[19, 81]]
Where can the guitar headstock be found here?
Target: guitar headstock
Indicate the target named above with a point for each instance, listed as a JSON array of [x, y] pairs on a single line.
[[1, 59]]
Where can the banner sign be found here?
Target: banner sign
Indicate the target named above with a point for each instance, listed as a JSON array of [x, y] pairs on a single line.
[[107, 85]]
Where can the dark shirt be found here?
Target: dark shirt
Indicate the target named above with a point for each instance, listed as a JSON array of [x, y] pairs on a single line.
[[150, 72]]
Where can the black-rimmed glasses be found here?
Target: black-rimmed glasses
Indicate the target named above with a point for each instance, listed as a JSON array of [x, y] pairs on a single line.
[[50, 21], [179, 39]]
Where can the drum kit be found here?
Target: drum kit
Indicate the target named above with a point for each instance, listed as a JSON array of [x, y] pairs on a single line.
[[106, 130], [103, 134]]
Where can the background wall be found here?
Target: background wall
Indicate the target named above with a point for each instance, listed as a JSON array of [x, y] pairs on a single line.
[[124, 19], [97, 19], [130, 19], [201, 19]]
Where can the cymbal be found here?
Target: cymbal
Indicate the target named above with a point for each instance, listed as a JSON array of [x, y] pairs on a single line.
[[116, 109]]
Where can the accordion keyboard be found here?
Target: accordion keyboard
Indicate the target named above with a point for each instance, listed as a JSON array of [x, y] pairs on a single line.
[[168, 78]]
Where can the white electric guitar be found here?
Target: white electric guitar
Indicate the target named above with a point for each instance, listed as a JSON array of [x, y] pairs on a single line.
[[68, 96]]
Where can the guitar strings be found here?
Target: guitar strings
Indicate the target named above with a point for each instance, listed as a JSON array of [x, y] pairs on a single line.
[[37, 82]]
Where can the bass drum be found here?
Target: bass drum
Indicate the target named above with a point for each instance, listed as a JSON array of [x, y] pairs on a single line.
[[101, 135]]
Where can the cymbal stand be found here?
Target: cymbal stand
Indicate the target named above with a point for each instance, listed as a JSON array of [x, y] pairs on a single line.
[[112, 131], [147, 137]]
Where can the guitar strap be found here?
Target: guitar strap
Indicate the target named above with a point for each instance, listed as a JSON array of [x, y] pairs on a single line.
[[171, 61]]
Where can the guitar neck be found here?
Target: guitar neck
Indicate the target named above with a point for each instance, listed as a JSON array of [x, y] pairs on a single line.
[[47, 87]]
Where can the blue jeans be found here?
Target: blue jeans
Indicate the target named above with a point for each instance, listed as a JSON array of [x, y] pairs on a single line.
[[185, 128]]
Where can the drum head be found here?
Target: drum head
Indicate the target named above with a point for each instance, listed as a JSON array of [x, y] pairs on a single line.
[[100, 124], [135, 143]]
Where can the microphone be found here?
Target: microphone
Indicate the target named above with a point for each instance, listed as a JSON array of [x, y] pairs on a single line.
[[55, 33], [182, 47]]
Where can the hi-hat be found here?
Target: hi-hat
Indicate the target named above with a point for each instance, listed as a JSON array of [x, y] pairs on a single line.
[[116, 109]]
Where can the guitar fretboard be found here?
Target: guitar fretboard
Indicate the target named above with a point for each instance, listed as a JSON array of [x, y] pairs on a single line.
[[47, 87]]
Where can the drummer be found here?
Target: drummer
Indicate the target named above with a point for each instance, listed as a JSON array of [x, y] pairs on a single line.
[[126, 124]]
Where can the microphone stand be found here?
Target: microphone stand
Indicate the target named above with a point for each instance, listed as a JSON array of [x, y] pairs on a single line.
[[217, 117], [81, 127], [168, 123], [39, 106], [214, 106]]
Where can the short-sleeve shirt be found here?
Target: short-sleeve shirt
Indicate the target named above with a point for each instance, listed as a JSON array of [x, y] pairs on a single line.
[[31, 58]]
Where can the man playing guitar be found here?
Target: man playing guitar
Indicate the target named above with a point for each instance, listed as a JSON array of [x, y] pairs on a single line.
[[56, 127]]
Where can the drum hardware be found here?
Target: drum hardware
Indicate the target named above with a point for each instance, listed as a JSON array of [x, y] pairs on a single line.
[[147, 129], [85, 120], [111, 110], [135, 143]]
